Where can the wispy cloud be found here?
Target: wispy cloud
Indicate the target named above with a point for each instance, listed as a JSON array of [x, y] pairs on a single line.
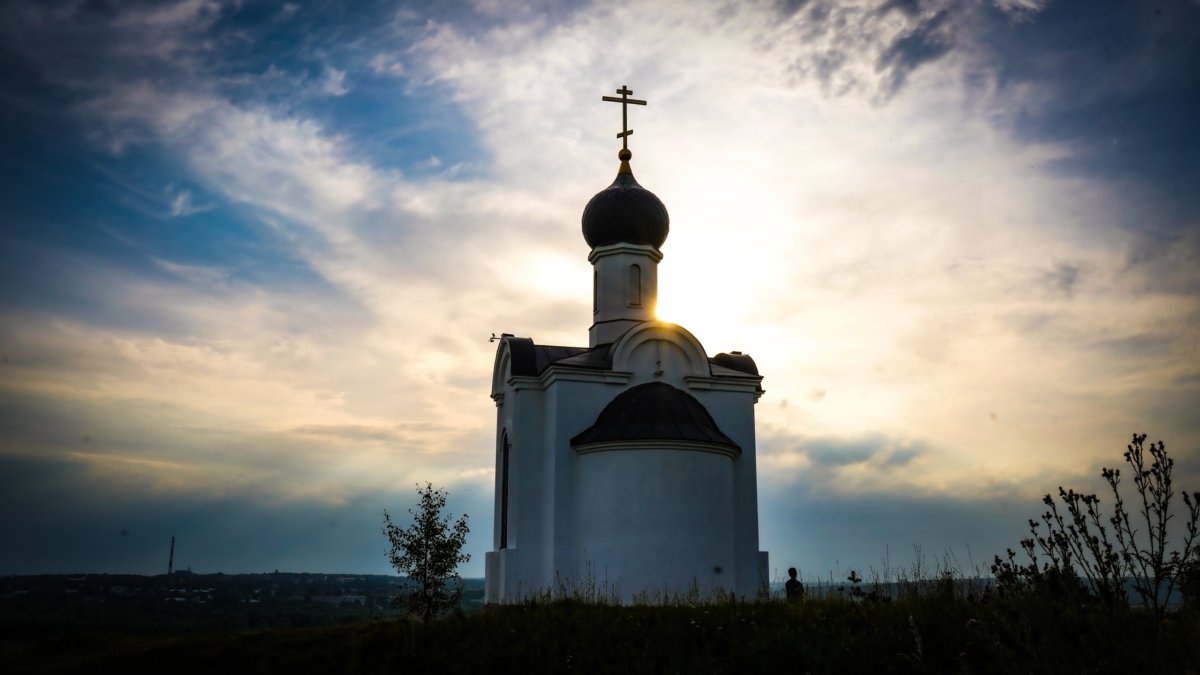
[[334, 82], [286, 12], [1021, 9], [182, 206]]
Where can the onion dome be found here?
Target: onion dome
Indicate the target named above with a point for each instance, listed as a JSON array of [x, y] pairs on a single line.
[[654, 412], [625, 213]]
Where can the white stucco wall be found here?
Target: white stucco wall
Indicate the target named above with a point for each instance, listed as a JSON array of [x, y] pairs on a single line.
[[734, 414], [657, 519]]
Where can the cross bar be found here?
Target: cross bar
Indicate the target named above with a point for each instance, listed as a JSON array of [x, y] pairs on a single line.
[[623, 100], [625, 130]]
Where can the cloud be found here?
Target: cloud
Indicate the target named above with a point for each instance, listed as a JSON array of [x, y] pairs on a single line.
[[334, 82], [388, 64], [168, 32], [835, 452], [861, 463], [286, 12], [84, 514], [182, 206], [830, 535], [196, 275], [886, 226], [928, 41], [1063, 277], [1021, 9]]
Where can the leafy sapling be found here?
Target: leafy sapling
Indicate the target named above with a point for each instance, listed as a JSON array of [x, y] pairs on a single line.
[[429, 552]]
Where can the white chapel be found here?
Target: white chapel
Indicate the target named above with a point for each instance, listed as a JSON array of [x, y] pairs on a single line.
[[632, 458]]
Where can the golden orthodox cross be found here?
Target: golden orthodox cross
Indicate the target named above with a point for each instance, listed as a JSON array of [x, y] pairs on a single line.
[[624, 101]]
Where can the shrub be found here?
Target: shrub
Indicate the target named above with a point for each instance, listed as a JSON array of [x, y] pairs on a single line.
[[1084, 565]]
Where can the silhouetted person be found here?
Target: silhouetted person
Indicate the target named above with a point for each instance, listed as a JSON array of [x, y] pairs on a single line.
[[795, 589]]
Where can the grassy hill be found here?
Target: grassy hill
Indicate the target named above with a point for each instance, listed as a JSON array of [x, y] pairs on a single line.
[[937, 627]]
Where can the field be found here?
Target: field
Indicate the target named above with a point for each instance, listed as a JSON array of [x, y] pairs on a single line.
[[933, 626]]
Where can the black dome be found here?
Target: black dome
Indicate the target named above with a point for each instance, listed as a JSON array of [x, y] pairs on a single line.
[[654, 411], [625, 212]]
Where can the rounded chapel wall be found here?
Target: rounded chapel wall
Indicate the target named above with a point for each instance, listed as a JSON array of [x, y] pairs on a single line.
[[655, 517]]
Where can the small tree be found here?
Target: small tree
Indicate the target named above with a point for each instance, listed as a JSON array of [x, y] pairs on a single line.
[[428, 553]]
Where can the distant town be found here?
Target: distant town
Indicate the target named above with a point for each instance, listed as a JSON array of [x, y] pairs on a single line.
[[185, 599]]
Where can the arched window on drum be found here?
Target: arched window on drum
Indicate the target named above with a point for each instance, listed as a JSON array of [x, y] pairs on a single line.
[[635, 285]]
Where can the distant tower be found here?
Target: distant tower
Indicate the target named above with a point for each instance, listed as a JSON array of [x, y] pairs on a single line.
[[171, 561]]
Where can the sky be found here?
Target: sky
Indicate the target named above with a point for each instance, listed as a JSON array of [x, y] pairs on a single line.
[[251, 254]]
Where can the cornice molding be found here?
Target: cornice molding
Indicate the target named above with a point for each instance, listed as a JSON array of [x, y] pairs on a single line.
[[615, 249], [751, 384], [732, 452], [555, 373]]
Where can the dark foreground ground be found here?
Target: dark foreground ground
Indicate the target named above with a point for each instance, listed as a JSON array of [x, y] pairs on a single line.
[[927, 633]]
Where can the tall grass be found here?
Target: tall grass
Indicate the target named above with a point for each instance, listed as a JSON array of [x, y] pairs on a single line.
[[928, 623]]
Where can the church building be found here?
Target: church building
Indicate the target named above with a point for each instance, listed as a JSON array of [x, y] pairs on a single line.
[[630, 460]]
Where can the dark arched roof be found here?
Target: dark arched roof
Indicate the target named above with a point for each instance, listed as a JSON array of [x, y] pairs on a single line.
[[736, 361], [625, 212], [654, 411]]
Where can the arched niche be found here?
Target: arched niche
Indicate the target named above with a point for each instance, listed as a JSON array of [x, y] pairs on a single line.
[[625, 351]]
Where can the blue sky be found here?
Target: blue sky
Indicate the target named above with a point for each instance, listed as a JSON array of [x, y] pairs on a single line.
[[252, 252]]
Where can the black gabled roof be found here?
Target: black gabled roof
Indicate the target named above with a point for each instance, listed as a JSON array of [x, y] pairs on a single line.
[[597, 358], [531, 359], [654, 411], [547, 354]]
